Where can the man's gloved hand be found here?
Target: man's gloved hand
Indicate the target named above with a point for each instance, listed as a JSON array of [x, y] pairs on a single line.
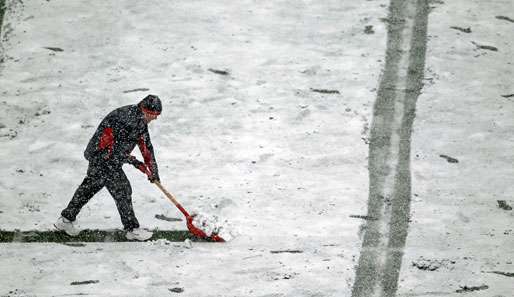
[[154, 178], [142, 167]]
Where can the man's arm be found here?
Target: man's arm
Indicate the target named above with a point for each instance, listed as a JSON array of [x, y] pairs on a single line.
[[146, 148]]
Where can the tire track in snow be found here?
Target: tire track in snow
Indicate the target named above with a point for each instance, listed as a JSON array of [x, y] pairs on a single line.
[[2, 11], [389, 151]]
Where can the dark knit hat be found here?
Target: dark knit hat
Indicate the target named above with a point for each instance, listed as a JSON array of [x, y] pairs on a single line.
[[151, 104]]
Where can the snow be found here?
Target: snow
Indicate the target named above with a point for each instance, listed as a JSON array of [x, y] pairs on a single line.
[[276, 180], [212, 225], [285, 166], [461, 114]]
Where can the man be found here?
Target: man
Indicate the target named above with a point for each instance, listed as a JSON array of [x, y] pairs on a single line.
[[109, 148]]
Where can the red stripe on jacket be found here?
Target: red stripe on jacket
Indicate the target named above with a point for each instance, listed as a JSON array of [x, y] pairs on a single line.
[[107, 140], [147, 155]]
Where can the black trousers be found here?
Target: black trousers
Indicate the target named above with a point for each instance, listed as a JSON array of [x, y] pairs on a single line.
[[111, 176]]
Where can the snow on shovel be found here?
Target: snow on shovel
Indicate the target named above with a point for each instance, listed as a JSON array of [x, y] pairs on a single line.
[[189, 218]]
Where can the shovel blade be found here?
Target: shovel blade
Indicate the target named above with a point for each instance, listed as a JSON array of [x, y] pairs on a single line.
[[200, 233], [216, 238]]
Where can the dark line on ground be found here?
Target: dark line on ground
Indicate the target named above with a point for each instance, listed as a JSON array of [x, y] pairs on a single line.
[[176, 290], [501, 17], [465, 30], [136, 90], [2, 12], [400, 217], [369, 272], [325, 91], [55, 49], [287, 251], [217, 71], [363, 217], [87, 236], [449, 159], [485, 47], [168, 219], [508, 274], [465, 289], [380, 138], [504, 205], [87, 282]]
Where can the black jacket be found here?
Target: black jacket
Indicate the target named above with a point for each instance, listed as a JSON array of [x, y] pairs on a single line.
[[117, 136]]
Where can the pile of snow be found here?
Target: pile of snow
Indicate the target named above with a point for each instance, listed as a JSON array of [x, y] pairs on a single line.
[[212, 224], [159, 242]]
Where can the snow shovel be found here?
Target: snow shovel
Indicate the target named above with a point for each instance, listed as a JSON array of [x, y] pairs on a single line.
[[192, 228]]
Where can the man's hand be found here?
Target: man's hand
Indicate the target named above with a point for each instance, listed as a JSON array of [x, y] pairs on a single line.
[[154, 178], [142, 167]]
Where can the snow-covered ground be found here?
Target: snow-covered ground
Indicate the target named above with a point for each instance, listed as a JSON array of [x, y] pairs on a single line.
[[285, 165], [456, 221]]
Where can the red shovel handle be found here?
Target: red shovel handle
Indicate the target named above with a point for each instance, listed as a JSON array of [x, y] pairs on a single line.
[[172, 199], [192, 228]]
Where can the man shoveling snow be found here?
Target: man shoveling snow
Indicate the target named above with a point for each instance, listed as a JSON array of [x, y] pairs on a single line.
[[109, 148]]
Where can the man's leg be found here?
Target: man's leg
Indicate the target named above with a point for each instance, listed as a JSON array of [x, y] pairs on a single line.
[[120, 189], [92, 184]]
